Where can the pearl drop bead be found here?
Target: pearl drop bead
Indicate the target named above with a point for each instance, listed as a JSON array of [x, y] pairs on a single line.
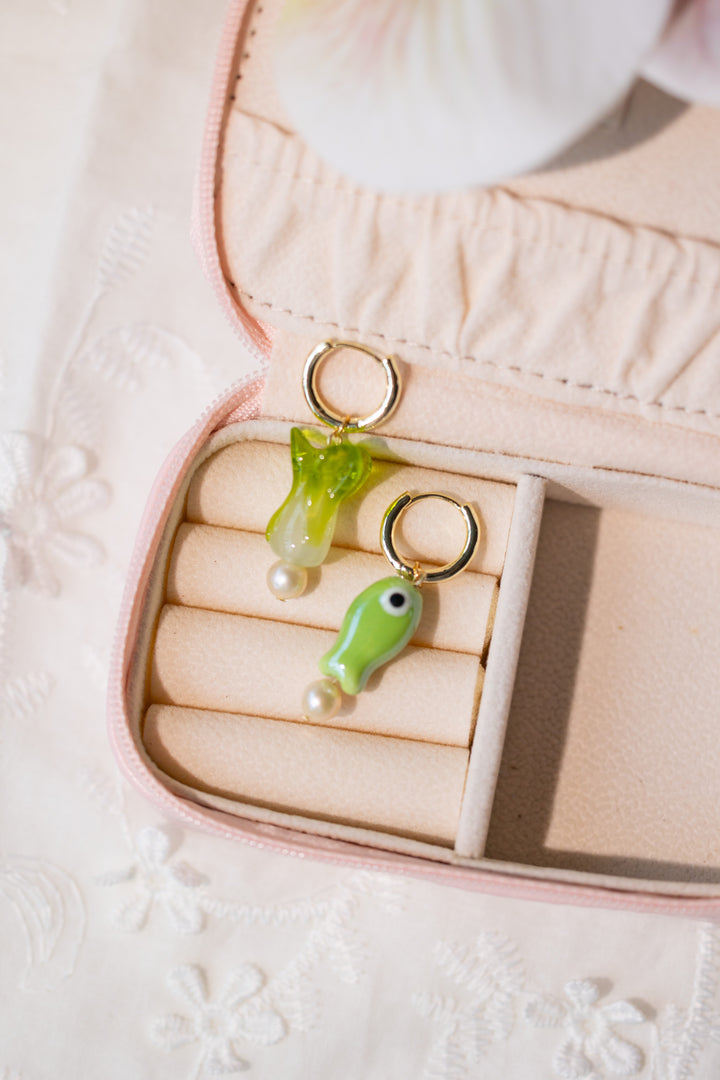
[[321, 701], [286, 581]]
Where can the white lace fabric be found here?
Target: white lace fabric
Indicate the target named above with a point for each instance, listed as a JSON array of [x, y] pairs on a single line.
[[132, 947]]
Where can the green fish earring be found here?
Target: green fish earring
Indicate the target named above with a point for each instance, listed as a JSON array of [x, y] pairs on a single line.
[[382, 619], [326, 472]]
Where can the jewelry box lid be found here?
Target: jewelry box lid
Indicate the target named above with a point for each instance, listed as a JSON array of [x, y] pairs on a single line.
[[581, 300]]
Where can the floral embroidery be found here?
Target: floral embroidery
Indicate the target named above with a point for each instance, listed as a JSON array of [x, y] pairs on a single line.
[[218, 1027], [104, 792], [96, 663], [50, 911], [490, 975], [120, 355], [289, 1001], [591, 1048], [42, 489], [126, 248], [176, 887], [684, 1034], [172, 886], [20, 695], [490, 972], [44, 482], [123, 354]]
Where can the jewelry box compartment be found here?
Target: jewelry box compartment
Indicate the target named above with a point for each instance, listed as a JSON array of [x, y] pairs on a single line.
[[601, 748], [611, 760], [220, 672]]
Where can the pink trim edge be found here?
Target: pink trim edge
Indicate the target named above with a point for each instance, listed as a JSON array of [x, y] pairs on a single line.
[[243, 402], [257, 337]]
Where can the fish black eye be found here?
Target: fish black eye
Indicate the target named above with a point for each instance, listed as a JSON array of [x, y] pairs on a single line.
[[395, 601]]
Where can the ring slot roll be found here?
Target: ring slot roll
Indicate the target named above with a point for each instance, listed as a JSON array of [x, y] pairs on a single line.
[[231, 663], [219, 495], [396, 785], [226, 569]]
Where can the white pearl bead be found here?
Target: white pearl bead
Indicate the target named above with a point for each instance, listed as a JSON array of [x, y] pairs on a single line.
[[321, 701], [286, 581]]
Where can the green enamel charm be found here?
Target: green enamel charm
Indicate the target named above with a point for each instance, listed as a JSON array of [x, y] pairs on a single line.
[[301, 530], [377, 626]]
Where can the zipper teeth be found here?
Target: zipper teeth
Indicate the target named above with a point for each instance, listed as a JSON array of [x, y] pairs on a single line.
[[256, 339]]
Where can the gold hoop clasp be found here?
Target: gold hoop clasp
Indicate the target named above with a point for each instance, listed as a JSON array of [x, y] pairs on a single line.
[[413, 570], [336, 420]]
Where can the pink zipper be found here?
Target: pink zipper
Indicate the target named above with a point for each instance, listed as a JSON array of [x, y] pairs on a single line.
[[242, 402], [257, 337]]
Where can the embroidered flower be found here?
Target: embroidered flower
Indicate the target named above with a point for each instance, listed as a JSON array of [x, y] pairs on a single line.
[[173, 886], [591, 1049], [42, 488], [217, 1026]]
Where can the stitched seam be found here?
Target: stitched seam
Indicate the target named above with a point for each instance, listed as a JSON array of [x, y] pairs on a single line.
[[606, 260], [488, 363]]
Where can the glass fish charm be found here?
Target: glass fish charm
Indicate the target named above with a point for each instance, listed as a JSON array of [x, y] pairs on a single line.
[[301, 529], [377, 626], [382, 619]]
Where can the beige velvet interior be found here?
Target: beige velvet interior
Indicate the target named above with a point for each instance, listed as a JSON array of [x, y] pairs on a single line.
[[612, 758], [203, 574], [230, 661], [260, 667], [409, 787]]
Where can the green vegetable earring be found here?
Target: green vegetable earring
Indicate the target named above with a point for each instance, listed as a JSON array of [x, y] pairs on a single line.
[[324, 476], [382, 619]]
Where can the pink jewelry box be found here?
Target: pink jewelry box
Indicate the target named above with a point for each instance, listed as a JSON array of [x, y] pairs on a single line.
[[549, 345]]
